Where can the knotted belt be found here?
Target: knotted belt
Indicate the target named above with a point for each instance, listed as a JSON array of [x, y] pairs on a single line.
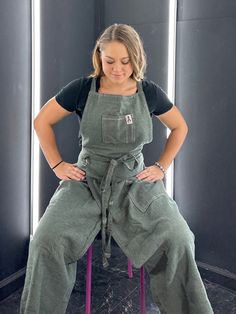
[[130, 161]]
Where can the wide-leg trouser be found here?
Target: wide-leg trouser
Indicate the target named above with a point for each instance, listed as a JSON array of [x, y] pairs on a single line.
[[65, 231], [175, 282], [68, 227]]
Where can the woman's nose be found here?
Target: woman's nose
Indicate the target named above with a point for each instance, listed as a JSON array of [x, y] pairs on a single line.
[[117, 67]]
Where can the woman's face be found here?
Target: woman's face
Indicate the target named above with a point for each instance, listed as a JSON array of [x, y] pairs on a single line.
[[116, 62]]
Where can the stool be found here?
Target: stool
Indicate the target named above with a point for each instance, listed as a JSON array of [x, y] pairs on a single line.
[[130, 274]]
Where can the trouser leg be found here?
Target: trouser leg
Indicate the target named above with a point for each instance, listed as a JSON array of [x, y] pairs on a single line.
[[175, 282], [49, 281], [67, 228]]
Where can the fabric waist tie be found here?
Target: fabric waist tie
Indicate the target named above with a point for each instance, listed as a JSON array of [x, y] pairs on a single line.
[[134, 166], [106, 214]]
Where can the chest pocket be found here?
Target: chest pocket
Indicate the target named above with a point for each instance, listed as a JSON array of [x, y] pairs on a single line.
[[118, 128]]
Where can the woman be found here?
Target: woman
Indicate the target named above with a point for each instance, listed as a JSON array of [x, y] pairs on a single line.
[[109, 188]]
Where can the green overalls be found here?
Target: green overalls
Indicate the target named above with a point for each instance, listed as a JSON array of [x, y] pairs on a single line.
[[139, 215]]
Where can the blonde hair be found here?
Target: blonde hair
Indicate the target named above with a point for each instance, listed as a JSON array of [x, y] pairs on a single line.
[[126, 35]]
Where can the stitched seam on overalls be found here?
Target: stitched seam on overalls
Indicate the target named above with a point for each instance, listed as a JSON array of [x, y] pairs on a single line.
[[60, 241], [138, 205], [50, 252], [86, 245]]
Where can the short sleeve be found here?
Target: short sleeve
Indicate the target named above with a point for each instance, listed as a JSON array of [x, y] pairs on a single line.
[[160, 101], [68, 96]]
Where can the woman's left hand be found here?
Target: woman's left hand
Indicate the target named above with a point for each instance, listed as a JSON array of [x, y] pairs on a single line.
[[151, 174]]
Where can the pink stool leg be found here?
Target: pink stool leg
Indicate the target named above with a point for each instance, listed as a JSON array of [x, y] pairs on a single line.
[[142, 286], [89, 279], [142, 291], [130, 272]]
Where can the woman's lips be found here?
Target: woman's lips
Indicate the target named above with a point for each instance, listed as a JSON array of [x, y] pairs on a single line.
[[115, 75]]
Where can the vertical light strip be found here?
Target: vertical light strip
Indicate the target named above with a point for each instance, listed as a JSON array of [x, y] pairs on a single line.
[[171, 79], [35, 148]]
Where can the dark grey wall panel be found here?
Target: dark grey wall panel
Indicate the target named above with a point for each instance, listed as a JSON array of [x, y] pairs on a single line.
[[136, 12], [67, 34], [205, 172], [202, 9], [150, 19], [15, 135]]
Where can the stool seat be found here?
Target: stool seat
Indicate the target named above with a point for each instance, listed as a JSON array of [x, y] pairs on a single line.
[[130, 275]]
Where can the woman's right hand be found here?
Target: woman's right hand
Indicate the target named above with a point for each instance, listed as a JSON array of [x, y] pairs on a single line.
[[67, 171]]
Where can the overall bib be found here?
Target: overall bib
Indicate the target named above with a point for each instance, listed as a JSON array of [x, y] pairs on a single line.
[[139, 215]]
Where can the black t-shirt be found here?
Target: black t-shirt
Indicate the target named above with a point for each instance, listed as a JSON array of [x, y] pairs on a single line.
[[73, 96]]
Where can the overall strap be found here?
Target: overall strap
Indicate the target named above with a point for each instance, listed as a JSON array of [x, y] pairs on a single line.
[[93, 85], [140, 87]]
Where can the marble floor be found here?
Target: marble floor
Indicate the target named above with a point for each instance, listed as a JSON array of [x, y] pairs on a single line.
[[113, 292]]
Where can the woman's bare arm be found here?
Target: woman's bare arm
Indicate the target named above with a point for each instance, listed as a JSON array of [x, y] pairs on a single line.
[[174, 120], [50, 114]]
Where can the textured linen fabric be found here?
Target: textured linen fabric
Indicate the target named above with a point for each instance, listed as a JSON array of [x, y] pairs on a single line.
[[140, 216]]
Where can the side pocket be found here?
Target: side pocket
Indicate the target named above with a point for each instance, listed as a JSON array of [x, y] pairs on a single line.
[[143, 193]]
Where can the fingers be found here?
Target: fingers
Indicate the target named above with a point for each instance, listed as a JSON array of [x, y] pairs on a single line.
[[150, 174], [68, 178], [75, 173], [69, 171]]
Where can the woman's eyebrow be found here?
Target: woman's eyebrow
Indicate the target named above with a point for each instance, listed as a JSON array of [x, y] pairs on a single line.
[[113, 58]]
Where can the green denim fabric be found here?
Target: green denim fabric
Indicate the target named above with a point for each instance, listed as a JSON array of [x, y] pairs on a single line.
[[141, 217]]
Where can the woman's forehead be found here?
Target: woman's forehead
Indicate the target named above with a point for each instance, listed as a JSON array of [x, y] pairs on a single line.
[[115, 49]]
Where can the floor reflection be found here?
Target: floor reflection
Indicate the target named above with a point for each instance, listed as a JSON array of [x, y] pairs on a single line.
[[113, 292]]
